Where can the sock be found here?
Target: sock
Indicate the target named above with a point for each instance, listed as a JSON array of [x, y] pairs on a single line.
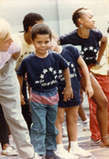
[[59, 146], [73, 144]]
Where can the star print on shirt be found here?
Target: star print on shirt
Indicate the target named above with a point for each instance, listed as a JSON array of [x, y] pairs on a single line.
[[89, 54], [72, 72], [44, 71], [45, 75], [50, 69]]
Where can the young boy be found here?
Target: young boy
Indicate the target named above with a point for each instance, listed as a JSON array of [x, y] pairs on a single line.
[[71, 54], [10, 92], [27, 48], [43, 69]]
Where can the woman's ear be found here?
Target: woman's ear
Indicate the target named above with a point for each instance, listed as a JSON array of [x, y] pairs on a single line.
[[80, 22]]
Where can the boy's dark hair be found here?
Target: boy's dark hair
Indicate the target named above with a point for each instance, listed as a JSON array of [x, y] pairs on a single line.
[[77, 14], [40, 29], [30, 19]]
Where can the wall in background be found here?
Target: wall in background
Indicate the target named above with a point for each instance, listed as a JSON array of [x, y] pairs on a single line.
[[57, 13]]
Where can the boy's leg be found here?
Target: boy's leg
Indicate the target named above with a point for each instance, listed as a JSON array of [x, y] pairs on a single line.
[[82, 113], [10, 101], [38, 128], [71, 120], [51, 129], [27, 114], [59, 122], [61, 151]]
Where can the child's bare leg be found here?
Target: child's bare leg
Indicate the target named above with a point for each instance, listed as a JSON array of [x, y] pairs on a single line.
[[59, 122], [71, 119], [102, 102], [82, 114]]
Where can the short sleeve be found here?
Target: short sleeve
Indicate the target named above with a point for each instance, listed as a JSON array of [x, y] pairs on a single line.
[[22, 69], [61, 61], [66, 39], [73, 51], [98, 35]]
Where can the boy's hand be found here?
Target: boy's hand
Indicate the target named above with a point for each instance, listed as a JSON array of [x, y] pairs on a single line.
[[89, 91], [68, 93], [22, 99]]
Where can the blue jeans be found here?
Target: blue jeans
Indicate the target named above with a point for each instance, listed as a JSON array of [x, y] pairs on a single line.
[[43, 130]]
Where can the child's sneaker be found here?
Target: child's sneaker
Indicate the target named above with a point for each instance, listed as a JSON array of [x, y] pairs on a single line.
[[64, 154], [80, 152], [38, 156], [9, 151], [95, 143], [50, 154]]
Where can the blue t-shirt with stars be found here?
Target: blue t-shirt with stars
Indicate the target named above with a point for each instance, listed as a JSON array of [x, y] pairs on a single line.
[[71, 55], [88, 47], [43, 73]]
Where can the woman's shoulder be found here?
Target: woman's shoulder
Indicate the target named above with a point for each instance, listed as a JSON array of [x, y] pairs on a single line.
[[95, 31]]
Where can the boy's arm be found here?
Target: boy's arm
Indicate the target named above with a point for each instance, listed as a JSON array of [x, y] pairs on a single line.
[[68, 93], [84, 68], [103, 44], [20, 79]]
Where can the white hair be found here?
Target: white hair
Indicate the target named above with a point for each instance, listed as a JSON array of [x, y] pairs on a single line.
[[5, 29]]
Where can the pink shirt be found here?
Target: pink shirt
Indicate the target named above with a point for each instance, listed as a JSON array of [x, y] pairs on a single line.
[[6, 55]]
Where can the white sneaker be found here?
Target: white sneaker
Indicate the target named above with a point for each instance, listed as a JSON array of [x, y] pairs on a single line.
[[80, 152], [64, 154], [37, 156], [9, 151], [95, 143]]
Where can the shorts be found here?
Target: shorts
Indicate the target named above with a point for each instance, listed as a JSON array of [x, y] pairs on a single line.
[[75, 101]]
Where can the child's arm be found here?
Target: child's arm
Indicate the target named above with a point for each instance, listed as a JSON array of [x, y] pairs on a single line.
[[88, 86], [103, 44], [68, 93], [14, 50], [20, 79]]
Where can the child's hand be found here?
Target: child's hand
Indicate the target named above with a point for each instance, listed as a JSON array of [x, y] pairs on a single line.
[[89, 91], [22, 99], [68, 93]]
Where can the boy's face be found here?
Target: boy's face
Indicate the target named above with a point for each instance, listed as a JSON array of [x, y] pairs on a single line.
[[42, 44], [5, 44]]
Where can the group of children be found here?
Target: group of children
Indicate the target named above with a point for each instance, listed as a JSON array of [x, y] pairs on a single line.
[[54, 81]]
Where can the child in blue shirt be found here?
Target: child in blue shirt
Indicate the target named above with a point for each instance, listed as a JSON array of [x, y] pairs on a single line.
[[43, 69], [70, 107]]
